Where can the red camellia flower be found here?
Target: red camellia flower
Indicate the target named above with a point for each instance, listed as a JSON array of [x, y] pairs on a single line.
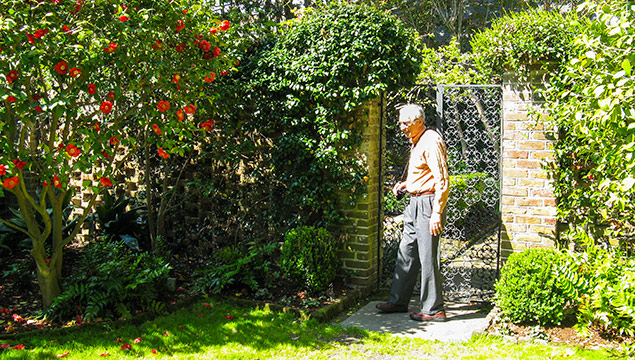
[[211, 77], [207, 125], [3, 170], [223, 73], [126, 346], [190, 109], [67, 30], [163, 106], [113, 141], [11, 182], [39, 33], [61, 68], [92, 89], [153, 351], [136, 340], [111, 95], [96, 126], [5, 346], [18, 318], [38, 109], [75, 71], [158, 45], [31, 38], [180, 47], [19, 347], [205, 45], [111, 48], [156, 129], [216, 51], [56, 182], [19, 164], [11, 98], [162, 153], [213, 30], [224, 25], [106, 155], [72, 150], [180, 115], [123, 18], [229, 317], [106, 107], [12, 76], [180, 25], [176, 78], [105, 181]]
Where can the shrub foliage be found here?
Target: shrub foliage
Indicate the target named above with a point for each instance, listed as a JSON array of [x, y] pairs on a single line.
[[309, 257], [527, 290]]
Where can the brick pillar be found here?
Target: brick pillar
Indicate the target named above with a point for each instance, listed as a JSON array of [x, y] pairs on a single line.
[[362, 230], [528, 204]]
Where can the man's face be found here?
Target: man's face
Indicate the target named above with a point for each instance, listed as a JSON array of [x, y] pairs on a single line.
[[411, 128]]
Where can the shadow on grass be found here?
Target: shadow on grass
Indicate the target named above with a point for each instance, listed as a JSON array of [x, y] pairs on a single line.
[[215, 328]]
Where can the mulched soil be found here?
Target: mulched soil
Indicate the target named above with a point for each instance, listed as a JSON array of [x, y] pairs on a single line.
[[564, 334]]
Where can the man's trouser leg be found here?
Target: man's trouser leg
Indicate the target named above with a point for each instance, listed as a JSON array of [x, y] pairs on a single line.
[[407, 265], [431, 280], [418, 250]]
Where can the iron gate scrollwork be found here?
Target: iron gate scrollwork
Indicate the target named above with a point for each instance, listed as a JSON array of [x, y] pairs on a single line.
[[469, 120]]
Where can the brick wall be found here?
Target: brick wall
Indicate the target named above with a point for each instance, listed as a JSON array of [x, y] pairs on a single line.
[[528, 205], [362, 230]]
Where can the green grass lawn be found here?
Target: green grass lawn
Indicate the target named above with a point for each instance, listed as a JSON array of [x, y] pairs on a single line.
[[221, 330]]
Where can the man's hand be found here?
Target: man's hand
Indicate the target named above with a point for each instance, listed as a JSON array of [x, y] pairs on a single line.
[[401, 185], [435, 224]]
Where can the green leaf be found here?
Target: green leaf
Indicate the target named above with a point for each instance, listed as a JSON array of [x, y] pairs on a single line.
[[626, 65]]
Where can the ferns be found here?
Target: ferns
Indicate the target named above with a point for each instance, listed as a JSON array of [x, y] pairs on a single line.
[[112, 281]]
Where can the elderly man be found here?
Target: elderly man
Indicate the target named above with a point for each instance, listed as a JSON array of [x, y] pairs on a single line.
[[428, 185]]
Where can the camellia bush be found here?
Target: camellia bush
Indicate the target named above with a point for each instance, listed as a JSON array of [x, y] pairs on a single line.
[[592, 109], [86, 84]]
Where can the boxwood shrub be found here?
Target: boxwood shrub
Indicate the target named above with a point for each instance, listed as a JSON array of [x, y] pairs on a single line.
[[527, 291]]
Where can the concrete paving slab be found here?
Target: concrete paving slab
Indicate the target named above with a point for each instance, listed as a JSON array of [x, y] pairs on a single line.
[[463, 320]]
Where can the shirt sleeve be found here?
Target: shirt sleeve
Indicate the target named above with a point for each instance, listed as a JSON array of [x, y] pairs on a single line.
[[436, 156]]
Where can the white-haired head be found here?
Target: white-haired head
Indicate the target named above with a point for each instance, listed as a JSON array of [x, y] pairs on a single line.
[[411, 112]]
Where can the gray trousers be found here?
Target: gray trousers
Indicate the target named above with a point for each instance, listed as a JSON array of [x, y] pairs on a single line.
[[418, 250]]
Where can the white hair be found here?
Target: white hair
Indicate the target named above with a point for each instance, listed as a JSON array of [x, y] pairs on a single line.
[[411, 112]]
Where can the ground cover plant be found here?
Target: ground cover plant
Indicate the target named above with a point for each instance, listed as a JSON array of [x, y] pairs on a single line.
[[211, 328]]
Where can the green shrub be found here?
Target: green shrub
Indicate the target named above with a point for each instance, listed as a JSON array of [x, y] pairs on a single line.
[[237, 268], [309, 257], [112, 281], [527, 291], [604, 283], [520, 41]]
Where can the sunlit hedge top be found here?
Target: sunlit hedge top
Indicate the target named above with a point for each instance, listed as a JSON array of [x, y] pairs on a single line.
[[522, 41]]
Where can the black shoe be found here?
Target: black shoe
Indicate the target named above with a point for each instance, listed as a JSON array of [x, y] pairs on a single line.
[[391, 308], [419, 316]]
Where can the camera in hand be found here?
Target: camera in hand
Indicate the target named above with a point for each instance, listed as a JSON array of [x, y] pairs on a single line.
[[400, 193]]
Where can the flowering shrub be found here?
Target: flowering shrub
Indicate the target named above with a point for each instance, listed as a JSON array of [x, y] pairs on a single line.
[[83, 84]]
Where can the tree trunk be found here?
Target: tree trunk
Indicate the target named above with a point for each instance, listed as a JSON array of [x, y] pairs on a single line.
[[49, 283]]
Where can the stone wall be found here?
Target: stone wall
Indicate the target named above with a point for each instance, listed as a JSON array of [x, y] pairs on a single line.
[[528, 204], [362, 232]]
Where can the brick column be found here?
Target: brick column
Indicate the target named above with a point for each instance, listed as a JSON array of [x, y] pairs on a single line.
[[362, 229], [528, 204]]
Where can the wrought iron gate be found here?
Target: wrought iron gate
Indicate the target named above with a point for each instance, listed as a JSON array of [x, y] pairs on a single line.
[[469, 119]]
